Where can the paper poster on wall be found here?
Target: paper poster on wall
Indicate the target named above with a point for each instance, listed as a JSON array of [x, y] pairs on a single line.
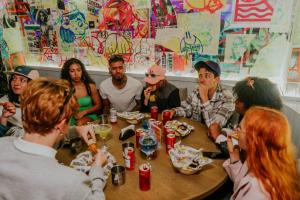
[[196, 38], [143, 55], [282, 15], [169, 38], [236, 45], [272, 59], [296, 27], [200, 5], [294, 66], [163, 14], [138, 4], [254, 13]]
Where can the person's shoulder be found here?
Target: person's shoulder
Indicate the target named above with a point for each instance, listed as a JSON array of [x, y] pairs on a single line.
[[171, 86], [225, 92], [132, 80], [107, 81], [5, 142], [8, 139]]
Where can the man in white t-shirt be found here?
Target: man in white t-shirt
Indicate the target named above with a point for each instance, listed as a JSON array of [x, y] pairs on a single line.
[[120, 91]]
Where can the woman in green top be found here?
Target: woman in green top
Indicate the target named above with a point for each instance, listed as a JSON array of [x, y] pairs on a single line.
[[85, 91]]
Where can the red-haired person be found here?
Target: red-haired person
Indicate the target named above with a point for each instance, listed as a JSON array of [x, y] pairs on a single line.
[[29, 169], [267, 169]]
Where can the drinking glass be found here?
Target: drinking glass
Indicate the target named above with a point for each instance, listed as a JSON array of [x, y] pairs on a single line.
[[103, 131], [148, 145], [104, 119]]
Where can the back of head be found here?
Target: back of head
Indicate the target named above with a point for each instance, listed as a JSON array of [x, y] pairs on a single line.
[[270, 152], [44, 103], [255, 91]]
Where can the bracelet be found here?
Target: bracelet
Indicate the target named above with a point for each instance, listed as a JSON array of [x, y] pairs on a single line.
[[101, 179], [234, 162]]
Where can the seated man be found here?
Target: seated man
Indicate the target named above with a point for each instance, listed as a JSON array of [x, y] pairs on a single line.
[[251, 91], [120, 91], [209, 102], [158, 91]]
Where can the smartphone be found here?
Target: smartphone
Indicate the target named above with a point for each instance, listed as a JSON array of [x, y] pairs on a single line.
[[214, 155]]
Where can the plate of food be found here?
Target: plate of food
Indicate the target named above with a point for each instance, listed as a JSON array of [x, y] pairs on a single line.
[[83, 162], [181, 128], [132, 117], [188, 160]]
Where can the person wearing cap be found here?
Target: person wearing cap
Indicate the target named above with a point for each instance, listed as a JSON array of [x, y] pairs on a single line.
[[209, 102], [158, 91], [120, 91], [10, 119]]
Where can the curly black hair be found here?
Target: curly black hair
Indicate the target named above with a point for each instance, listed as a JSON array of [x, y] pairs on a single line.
[[255, 91], [86, 79]]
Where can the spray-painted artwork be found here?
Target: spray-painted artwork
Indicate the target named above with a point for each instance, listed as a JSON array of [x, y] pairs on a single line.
[[243, 36]]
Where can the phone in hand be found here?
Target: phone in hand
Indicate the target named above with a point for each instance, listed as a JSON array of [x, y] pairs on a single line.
[[214, 155]]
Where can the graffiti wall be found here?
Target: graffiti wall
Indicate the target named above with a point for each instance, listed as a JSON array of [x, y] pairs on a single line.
[[245, 36]]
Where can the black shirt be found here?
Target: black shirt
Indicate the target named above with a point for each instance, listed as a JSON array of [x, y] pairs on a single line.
[[166, 97]]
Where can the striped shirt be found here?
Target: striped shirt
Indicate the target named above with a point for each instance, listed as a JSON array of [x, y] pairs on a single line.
[[217, 110]]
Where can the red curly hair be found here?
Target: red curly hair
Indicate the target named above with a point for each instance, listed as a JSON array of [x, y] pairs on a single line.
[[270, 152]]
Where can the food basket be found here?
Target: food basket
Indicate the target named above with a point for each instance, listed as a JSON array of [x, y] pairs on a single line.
[[83, 162], [180, 128], [187, 160], [132, 117]]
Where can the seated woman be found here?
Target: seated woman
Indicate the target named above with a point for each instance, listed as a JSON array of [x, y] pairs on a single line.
[[251, 91], [10, 119], [158, 91], [85, 91], [268, 168], [28, 167]]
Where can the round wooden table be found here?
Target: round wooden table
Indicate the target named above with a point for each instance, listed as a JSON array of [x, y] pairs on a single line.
[[166, 182]]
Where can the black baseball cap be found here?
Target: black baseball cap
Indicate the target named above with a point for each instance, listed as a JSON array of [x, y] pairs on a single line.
[[213, 66]]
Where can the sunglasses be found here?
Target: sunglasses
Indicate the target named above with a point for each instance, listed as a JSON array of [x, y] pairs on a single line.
[[152, 75]]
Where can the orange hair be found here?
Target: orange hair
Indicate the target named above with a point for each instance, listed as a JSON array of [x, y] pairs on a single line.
[[270, 152], [42, 105]]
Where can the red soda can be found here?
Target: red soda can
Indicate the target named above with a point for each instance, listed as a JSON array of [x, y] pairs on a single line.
[[138, 133], [154, 112], [144, 177], [171, 139], [129, 158], [166, 116], [166, 132]]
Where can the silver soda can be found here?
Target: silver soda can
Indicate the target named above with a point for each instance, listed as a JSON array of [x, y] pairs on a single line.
[[113, 116]]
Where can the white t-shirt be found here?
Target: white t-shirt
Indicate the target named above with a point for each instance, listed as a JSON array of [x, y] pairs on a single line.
[[15, 119], [122, 99]]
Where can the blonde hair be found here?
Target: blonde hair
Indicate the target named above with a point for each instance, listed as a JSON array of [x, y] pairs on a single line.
[[44, 103], [270, 152]]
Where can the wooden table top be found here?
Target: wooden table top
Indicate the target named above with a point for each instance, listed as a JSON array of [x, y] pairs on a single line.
[[166, 182]]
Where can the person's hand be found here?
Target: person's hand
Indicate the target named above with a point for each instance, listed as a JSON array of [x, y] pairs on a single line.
[[79, 115], [147, 93], [85, 132], [100, 159], [9, 109], [233, 151], [172, 113], [203, 92]]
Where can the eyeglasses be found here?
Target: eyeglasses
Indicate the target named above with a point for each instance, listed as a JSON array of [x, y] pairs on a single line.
[[67, 99], [152, 75]]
